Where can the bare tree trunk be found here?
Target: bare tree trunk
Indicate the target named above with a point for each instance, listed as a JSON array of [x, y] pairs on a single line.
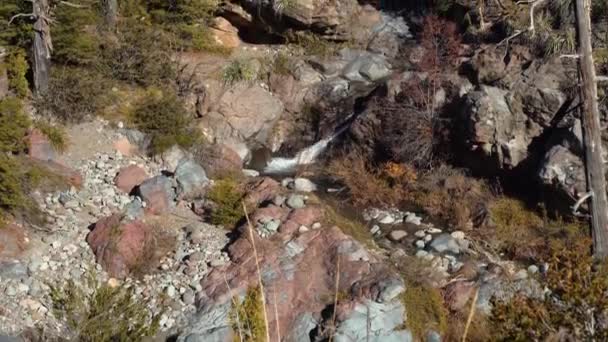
[[41, 49], [110, 8], [594, 165]]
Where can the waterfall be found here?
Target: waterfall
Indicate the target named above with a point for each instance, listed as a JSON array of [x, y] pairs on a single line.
[[306, 156]]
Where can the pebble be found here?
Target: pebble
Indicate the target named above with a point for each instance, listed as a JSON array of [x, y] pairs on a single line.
[[375, 229], [413, 219], [296, 201], [397, 235], [170, 291], [421, 254], [420, 244], [387, 219], [316, 225], [303, 229], [113, 282], [420, 234], [532, 269], [188, 297], [458, 234], [304, 185]]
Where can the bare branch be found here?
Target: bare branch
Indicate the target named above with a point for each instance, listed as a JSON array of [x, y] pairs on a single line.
[[67, 3], [580, 202], [31, 15], [575, 56]]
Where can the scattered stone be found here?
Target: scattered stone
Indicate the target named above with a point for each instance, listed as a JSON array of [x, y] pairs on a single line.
[[375, 229], [397, 235], [532, 269], [413, 219], [278, 200], [445, 243], [296, 201], [286, 182], [458, 235], [420, 234], [188, 297], [316, 225], [304, 185], [250, 173], [170, 291], [387, 219], [420, 244]]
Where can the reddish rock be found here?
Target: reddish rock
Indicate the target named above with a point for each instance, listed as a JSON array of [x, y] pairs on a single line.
[[13, 242], [298, 269], [158, 194], [73, 177], [262, 190], [118, 245], [129, 177], [124, 146], [39, 146], [458, 294], [220, 159]]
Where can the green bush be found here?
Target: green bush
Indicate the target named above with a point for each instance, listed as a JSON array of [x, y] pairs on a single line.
[[75, 38], [74, 95], [425, 310], [16, 69], [227, 196], [19, 32], [247, 317], [14, 125], [239, 70], [165, 119], [140, 54], [97, 312], [56, 135]]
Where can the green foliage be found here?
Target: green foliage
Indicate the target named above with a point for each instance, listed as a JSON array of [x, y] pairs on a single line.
[[310, 44], [139, 55], [227, 195], [98, 312], [281, 65], [247, 317], [239, 70], [425, 310], [16, 69], [75, 38], [19, 33], [578, 297], [14, 124], [74, 94], [164, 118], [56, 135]]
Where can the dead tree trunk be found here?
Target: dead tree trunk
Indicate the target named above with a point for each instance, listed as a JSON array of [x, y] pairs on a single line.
[[110, 8], [594, 165], [42, 46]]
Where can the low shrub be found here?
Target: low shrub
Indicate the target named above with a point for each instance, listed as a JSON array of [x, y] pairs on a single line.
[[575, 307], [14, 125], [16, 69], [311, 44], [239, 70], [164, 118], [160, 241], [140, 54], [350, 227], [227, 195], [425, 310], [247, 317], [74, 94], [366, 185], [97, 312], [56, 134]]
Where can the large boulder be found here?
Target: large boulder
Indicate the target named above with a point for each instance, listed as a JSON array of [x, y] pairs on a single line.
[[158, 194], [118, 244], [219, 160], [288, 258], [246, 112], [129, 177]]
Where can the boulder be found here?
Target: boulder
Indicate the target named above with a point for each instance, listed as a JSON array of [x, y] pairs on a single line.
[[219, 160], [14, 241], [563, 170], [225, 34], [445, 243], [190, 177], [39, 146], [129, 177], [118, 244], [171, 158], [246, 112], [304, 185], [158, 194]]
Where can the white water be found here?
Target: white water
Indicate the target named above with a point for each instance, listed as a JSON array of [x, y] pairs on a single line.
[[306, 156]]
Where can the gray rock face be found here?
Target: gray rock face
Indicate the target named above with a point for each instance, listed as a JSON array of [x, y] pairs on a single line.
[[190, 177], [302, 327], [171, 158], [209, 325], [388, 35], [371, 321], [158, 193], [561, 168]]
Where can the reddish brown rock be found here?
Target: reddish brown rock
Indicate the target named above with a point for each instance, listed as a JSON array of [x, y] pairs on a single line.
[[260, 191], [159, 195], [124, 146], [129, 177], [298, 269], [39, 146], [73, 177], [118, 245], [219, 160], [13, 241]]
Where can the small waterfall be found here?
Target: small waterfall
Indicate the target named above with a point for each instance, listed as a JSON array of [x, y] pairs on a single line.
[[306, 156]]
